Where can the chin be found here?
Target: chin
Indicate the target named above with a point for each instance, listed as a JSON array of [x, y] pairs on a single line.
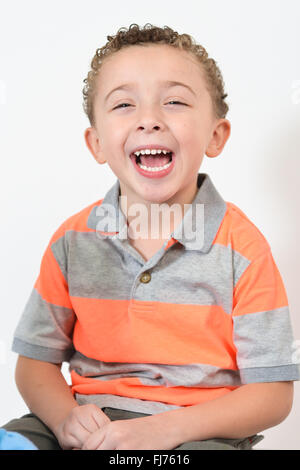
[[156, 198]]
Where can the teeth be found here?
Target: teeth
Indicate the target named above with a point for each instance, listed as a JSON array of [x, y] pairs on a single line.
[[152, 152], [155, 168]]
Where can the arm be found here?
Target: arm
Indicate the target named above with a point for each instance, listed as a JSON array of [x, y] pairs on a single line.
[[44, 390], [241, 413], [47, 395]]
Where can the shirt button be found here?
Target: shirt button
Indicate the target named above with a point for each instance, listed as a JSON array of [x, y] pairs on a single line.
[[145, 277]]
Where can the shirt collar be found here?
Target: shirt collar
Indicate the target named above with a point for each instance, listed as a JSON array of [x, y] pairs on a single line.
[[196, 231]]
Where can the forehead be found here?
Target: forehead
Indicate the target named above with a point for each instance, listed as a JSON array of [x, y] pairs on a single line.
[[157, 61]]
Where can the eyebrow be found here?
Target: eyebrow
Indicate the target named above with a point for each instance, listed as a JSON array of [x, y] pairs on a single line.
[[167, 84]]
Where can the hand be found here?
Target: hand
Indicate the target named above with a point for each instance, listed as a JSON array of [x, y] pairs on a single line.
[[80, 423], [147, 432]]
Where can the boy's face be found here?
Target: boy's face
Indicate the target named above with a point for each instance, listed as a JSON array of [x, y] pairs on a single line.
[[152, 116]]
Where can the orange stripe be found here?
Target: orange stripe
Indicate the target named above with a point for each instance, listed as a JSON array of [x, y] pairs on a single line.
[[260, 288], [241, 234], [153, 332], [51, 283], [107, 233], [133, 388], [170, 243]]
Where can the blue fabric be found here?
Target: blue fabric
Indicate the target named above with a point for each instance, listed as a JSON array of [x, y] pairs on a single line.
[[14, 441]]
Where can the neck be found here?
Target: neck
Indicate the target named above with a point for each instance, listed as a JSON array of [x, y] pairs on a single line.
[[155, 220]]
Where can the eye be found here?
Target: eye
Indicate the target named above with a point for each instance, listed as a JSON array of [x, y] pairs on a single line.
[[177, 102], [122, 105], [119, 105]]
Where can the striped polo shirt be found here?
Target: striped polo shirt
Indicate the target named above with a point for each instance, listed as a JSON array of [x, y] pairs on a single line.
[[200, 318]]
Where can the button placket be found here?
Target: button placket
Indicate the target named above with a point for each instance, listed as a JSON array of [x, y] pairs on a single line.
[[145, 277]]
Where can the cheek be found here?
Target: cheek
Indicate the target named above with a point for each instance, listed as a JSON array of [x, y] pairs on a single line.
[[194, 143], [189, 128], [113, 141]]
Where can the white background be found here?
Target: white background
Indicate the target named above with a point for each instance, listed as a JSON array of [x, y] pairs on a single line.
[[48, 174]]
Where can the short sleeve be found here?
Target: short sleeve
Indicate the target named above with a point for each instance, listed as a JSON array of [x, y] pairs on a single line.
[[262, 330], [46, 325]]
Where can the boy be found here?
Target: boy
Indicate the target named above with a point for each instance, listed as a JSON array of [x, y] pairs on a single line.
[[180, 338]]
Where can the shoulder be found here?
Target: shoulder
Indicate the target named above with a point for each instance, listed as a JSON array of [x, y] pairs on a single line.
[[244, 237]]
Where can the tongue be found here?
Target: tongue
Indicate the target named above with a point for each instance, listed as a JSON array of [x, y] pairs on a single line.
[[154, 160]]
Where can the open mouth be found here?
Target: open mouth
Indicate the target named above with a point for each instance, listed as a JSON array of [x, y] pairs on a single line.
[[154, 166], [154, 163]]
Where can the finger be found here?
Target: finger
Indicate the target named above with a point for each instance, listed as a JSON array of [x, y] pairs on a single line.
[[88, 423], [106, 444], [93, 420], [79, 434], [100, 417], [94, 440], [71, 442]]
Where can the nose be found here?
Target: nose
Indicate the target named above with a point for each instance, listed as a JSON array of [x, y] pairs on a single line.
[[149, 120], [149, 127]]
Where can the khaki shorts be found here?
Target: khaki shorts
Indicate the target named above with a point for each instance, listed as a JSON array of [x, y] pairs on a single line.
[[37, 432]]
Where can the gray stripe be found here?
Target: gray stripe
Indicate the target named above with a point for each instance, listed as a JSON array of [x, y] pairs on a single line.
[[59, 251], [98, 270], [125, 403], [191, 279], [270, 374], [105, 269], [44, 324], [240, 264], [40, 352], [263, 339], [188, 375]]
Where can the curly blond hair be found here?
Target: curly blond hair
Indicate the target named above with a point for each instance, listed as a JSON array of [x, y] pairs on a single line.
[[150, 34]]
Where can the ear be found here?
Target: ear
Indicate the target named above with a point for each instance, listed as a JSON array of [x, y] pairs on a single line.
[[219, 138], [93, 144]]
